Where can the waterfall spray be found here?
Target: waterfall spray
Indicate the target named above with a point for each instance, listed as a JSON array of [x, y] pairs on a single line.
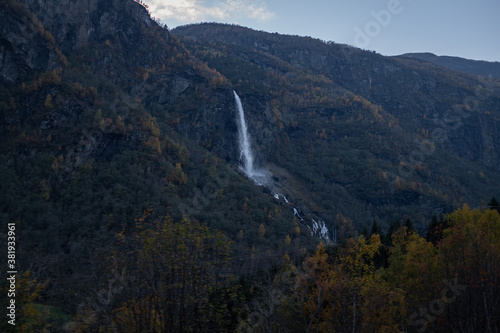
[[246, 156], [263, 177]]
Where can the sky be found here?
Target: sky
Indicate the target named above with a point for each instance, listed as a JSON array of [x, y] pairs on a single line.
[[463, 28]]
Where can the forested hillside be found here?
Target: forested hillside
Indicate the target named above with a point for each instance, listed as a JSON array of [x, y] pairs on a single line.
[[387, 138], [119, 170], [476, 67]]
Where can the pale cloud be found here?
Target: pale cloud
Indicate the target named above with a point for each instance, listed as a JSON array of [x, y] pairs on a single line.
[[260, 13], [198, 10]]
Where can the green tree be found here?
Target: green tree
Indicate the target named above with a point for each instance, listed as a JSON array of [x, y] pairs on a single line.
[[182, 264], [313, 301], [415, 266], [432, 235], [375, 229], [345, 292], [29, 317], [471, 253], [494, 204], [435, 230], [170, 277]]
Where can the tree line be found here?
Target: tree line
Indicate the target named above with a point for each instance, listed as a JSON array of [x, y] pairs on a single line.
[[179, 276]]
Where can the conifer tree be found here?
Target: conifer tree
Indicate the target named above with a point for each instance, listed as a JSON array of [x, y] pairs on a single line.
[[431, 235], [494, 204]]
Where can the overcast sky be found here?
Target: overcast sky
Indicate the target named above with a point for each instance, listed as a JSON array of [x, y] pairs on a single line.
[[464, 28]]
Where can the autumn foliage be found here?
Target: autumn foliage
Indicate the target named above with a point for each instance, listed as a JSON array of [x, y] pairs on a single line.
[[450, 286]]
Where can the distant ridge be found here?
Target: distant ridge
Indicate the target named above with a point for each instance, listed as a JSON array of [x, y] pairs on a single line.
[[476, 67]]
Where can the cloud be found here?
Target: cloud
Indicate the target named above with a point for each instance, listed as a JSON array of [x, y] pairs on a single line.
[[261, 13], [189, 11]]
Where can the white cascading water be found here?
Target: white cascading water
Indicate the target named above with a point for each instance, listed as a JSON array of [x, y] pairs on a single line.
[[261, 176], [246, 157]]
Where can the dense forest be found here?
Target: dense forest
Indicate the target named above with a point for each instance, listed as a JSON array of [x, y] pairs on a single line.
[[120, 180]]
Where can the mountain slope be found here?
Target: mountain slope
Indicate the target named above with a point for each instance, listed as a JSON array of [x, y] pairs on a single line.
[[484, 68], [89, 93], [383, 135], [105, 117]]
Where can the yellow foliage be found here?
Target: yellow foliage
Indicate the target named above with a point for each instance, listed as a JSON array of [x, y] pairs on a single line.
[[52, 77], [78, 89], [28, 290], [415, 265], [154, 144], [120, 125], [471, 246], [48, 102], [262, 230], [44, 190], [297, 230]]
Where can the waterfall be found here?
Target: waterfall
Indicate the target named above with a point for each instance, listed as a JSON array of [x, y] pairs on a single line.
[[246, 156], [263, 177], [260, 176]]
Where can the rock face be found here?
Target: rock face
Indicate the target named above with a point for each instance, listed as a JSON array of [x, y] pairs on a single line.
[[76, 24], [38, 38], [214, 126], [24, 46], [36, 33]]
